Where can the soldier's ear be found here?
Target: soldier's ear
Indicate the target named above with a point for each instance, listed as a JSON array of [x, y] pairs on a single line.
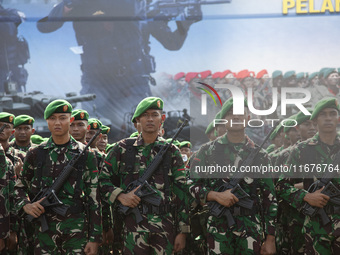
[[71, 119], [163, 117], [13, 131], [88, 127], [33, 130]]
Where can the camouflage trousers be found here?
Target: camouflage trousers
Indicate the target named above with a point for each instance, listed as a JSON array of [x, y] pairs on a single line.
[[295, 235], [148, 243], [322, 244], [54, 242], [233, 243]]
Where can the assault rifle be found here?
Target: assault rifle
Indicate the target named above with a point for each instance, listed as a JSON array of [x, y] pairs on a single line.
[[329, 189], [245, 200], [145, 191], [50, 193]]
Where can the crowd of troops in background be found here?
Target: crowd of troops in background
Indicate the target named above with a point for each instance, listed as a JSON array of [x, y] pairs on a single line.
[[276, 221]]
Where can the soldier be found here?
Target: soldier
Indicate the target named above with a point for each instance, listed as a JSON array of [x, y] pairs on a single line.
[[245, 237], [23, 125], [79, 231], [6, 188], [320, 149], [211, 132], [185, 148], [128, 160], [103, 140], [80, 125]]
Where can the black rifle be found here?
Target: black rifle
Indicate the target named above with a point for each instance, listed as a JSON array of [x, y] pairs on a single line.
[[329, 189], [245, 200], [145, 191], [50, 193], [170, 9]]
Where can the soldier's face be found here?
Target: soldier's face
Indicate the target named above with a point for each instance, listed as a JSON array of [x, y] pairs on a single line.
[[90, 133], [221, 129], [236, 122], [307, 129], [327, 120], [186, 151], [293, 135], [23, 133], [7, 132], [102, 142], [59, 124], [181, 82], [333, 79], [150, 121], [78, 129]]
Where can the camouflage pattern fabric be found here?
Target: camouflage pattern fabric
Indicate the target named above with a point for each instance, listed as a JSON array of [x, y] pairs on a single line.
[[85, 199], [246, 235], [319, 239], [4, 196], [23, 149], [114, 178]]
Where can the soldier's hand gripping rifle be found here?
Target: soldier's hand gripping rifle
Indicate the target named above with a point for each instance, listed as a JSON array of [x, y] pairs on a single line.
[[145, 191], [50, 193], [329, 189], [245, 201]]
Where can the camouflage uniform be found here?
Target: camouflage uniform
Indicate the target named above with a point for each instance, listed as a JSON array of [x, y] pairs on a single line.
[[246, 235], [5, 191], [69, 234], [17, 147], [319, 239], [155, 234]]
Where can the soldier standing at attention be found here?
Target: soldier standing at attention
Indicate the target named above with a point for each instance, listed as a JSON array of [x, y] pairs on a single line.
[[23, 126], [79, 231], [103, 140], [322, 148], [246, 235], [80, 125], [126, 162]]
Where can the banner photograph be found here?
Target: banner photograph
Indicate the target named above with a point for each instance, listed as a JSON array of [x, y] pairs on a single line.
[[227, 108]]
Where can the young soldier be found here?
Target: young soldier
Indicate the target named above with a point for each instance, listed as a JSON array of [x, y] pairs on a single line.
[[80, 125], [320, 149], [126, 162], [103, 140], [23, 126], [79, 231], [245, 236]]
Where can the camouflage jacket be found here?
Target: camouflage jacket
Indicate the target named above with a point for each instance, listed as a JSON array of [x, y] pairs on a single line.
[[7, 181], [74, 194], [261, 190], [24, 149], [114, 179], [322, 154]]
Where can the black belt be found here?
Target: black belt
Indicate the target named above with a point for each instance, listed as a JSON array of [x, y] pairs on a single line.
[[151, 209]]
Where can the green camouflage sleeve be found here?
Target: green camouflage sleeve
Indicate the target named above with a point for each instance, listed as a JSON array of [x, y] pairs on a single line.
[[91, 184], [285, 185], [4, 196], [180, 189], [109, 181]]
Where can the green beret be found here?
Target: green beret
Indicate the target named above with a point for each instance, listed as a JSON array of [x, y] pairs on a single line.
[[301, 117], [313, 75], [23, 120], [95, 124], [270, 148], [228, 105], [105, 130], [329, 71], [134, 134], [7, 117], [57, 106], [300, 75], [218, 115], [291, 122], [147, 103], [276, 74], [322, 70], [210, 128], [276, 131], [288, 74], [329, 102], [37, 139], [185, 144], [80, 114], [175, 142]]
